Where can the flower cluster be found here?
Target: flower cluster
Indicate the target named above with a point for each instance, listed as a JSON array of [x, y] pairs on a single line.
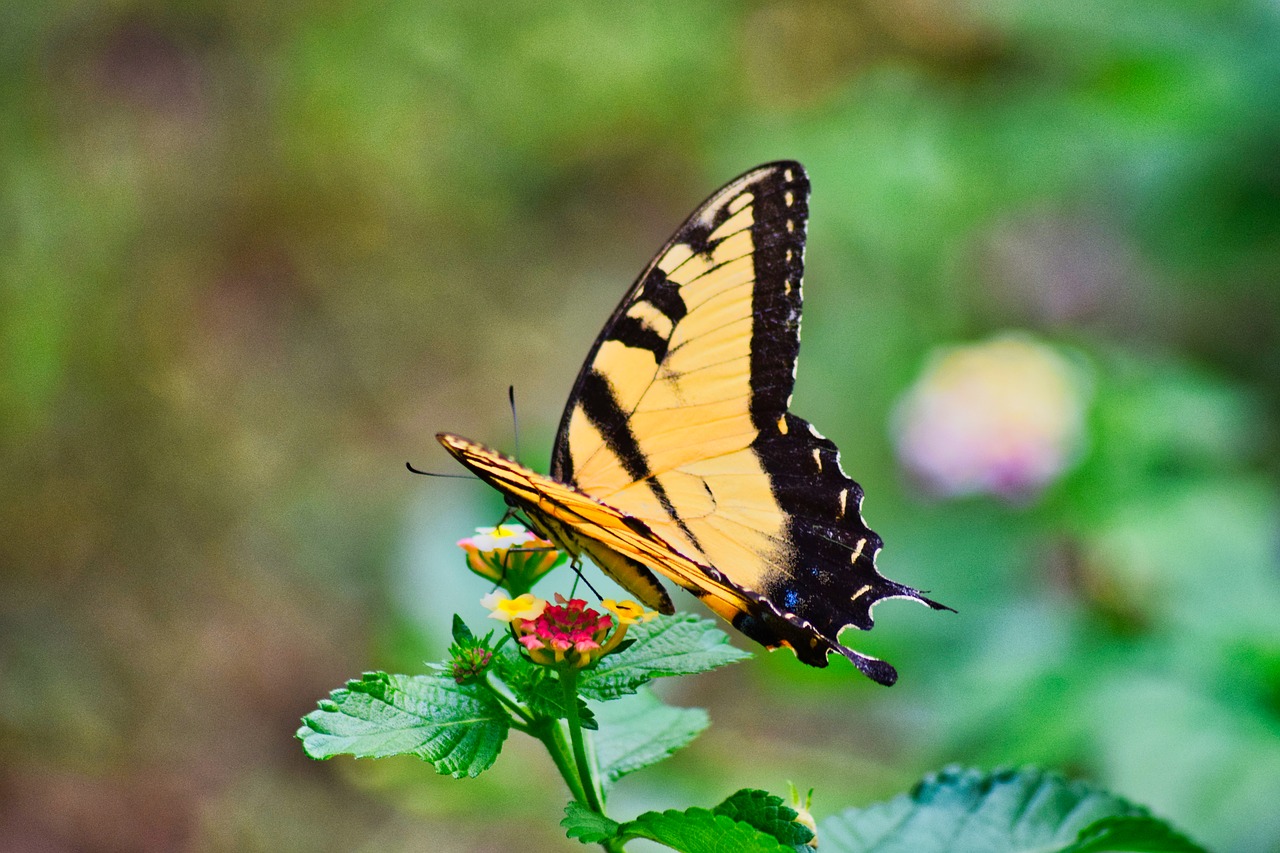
[[1003, 417], [567, 633], [469, 656], [469, 664], [510, 556]]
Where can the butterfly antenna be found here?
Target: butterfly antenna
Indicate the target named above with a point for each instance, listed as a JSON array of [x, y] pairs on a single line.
[[515, 422], [409, 465]]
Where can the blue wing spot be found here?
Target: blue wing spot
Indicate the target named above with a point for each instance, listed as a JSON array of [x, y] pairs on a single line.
[[790, 599]]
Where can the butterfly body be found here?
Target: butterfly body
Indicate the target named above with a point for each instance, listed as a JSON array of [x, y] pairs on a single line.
[[677, 454]]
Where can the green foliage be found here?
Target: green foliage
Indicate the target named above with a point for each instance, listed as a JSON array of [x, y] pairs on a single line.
[[955, 811], [1011, 811], [702, 831], [588, 826], [639, 730], [682, 644], [1139, 833], [458, 728], [697, 830], [768, 813], [538, 688]]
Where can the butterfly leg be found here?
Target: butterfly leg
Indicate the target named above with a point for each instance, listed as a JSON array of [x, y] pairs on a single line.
[[575, 563]]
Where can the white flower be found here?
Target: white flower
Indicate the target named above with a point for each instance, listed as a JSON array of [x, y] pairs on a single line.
[[501, 537]]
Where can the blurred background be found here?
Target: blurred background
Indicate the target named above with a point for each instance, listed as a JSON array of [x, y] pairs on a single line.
[[254, 256]]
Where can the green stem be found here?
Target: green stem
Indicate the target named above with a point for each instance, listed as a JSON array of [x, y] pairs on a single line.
[[547, 731], [552, 737], [503, 695], [586, 768]]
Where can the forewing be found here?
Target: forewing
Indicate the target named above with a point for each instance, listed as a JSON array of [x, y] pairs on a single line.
[[701, 347], [679, 419]]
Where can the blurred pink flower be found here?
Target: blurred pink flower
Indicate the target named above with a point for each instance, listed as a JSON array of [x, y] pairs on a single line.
[[1003, 417]]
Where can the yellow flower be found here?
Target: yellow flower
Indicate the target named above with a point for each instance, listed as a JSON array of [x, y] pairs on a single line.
[[505, 609], [628, 612]]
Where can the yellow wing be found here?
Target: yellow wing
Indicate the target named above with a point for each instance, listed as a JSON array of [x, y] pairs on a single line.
[[679, 418], [661, 422], [676, 453], [580, 523]]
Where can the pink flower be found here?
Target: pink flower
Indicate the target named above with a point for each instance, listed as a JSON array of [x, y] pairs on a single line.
[[566, 632], [1003, 417]]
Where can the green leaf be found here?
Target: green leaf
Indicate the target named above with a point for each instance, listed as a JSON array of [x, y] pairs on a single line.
[[767, 813], [586, 716], [1139, 834], [534, 686], [458, 728], [668, 645], [1007, 811], [461, 633], [538, 689], [637, 731], [587, 826], [702, 831]]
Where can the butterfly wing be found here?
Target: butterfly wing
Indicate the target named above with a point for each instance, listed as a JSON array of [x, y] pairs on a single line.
[[621, 546], [679, 420]]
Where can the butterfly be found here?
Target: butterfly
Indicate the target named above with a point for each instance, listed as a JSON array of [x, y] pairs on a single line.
[[677, 454]]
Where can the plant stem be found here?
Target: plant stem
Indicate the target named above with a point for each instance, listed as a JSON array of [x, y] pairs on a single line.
[[503, 695], [586, 768], [587, 773], [552, 737]]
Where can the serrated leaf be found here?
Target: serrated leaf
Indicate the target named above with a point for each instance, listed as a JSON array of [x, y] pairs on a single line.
[[587, 826], [637, 731], [587, 716], [1136, 834], [461, 633], [1009, 811], [702, 831], [767, 813], [538, 689], [459, 728], [534, 686], [668, 645]]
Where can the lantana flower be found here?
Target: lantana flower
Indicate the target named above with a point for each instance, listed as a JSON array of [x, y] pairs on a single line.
[[1003, 417], [628, 612], [510, 556], [523, 607], [468, 663], [567, 633]]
